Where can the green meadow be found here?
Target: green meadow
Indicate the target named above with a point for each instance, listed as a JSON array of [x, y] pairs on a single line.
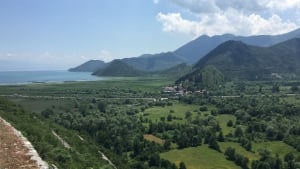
[[200, 157]]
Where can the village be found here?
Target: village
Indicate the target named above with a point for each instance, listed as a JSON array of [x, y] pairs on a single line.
[[178, 91]]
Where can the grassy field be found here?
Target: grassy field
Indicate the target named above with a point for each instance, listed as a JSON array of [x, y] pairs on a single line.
[[177, 110], [130, 86], [276, 147], [38, 105], [153, 138], [239, 149], [200, 157], [223, 119], [203, 157]]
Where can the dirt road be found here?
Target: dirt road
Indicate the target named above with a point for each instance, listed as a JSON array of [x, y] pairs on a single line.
[[16, 151]]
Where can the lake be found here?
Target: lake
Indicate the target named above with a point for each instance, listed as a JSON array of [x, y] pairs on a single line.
[[26, 77]]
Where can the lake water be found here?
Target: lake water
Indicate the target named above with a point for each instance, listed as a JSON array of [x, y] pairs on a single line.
[[25, 77]]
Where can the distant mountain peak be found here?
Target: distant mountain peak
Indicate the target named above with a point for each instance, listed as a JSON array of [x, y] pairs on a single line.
[[118, 68], [89, 66], [199, 47], [239, 61]]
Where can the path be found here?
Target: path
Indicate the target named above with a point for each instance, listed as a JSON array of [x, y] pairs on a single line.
[[16, 151], [104, 157], [63, 142], [71, 97]]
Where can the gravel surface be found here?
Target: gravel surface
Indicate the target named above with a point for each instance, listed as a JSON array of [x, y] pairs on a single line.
[[16, 152]]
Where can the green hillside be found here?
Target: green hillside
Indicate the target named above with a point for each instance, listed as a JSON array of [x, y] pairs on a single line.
[[155, 62], [239, 61], [176, 71], [118, 68], [89, 66]]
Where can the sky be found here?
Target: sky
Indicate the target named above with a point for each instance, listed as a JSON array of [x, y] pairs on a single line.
[[59, 34]]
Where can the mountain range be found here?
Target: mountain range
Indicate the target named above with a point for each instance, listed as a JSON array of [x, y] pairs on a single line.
[[236, 60], [189, 53], [89, 66], [196, 49], [118, 68]]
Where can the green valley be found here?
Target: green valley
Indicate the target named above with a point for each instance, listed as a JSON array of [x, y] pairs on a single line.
[[129, 121]]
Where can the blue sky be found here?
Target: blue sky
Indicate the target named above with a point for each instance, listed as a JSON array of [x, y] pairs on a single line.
[[58, 34]]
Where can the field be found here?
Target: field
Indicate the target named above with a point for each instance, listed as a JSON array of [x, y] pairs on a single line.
[[153, 138], [114, 87], [176, 110], [200, 157], [37, 105], [276, 147], [239, 149], [223, 119]]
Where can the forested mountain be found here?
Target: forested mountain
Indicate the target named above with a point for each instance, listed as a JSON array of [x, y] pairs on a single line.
[[155, 62], [118, 68], [239, 61], [176, 71], [189, 53], [89, 66], [196, 49]]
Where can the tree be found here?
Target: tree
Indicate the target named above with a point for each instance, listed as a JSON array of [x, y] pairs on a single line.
[[230, 153], [241, 161], [154, 160], [238, 132], [47, 113], [275, 88], [169, 117], [221, 137], [230, 123], [203, 108], [167, 145], [182, 165], [246, 143], [289, 157], [294, 88], [264, 154], [188, 114], [214, 144], [260, 165], [102, 107], [278, 163]]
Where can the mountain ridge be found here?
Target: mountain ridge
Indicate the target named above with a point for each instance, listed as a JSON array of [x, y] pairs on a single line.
[[196, 49], [239, 61], [118, 68], [89, 66], [204, 43]]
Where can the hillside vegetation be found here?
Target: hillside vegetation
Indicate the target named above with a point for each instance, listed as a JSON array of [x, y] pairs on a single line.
[[118, 68], [89, 66], [239, 61]]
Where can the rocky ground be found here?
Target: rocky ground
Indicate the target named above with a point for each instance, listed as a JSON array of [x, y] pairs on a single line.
[[16, 152]]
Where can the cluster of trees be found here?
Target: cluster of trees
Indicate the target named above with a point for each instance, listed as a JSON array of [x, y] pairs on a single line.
[[114, 126], [268, 162], [239, 159], [192, 134]]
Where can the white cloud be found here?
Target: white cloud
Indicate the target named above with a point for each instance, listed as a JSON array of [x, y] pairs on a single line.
[[197, 6], [205, 6], [228, 22], [82, 57], [105, 56], [281, 4], [238, 17]]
